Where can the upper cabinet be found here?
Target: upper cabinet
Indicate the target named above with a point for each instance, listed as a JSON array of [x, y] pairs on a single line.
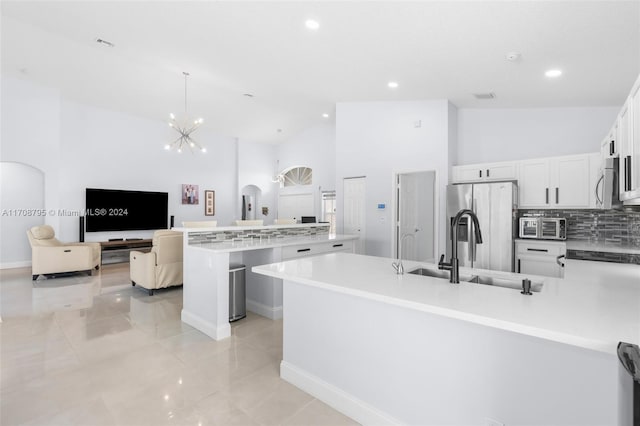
[[557, 182], [625, 148], [485, 172], [609, 145], [534, 183], [628, 141], [634, 136], [544, 183]]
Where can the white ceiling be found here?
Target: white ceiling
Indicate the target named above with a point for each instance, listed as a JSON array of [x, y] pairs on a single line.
[[433, 49]]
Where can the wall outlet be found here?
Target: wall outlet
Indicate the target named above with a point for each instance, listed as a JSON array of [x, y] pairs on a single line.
[[492, 422]]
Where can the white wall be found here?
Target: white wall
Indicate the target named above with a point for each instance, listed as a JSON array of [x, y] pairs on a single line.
[[486, 135], [380, 139], [30, 132], [256, 167], [78, 146], [22, 206], [314, 147], [106, 149]]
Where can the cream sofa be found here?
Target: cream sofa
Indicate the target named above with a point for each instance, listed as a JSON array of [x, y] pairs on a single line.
[[284, 222], [50, 256], [162, 266]]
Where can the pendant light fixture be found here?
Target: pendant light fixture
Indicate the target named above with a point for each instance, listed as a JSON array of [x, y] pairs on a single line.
[[185, 126]]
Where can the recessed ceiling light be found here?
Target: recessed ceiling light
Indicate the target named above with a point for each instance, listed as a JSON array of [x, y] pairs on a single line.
[[553, 73], [392, 84], [513, 56], [325, 115], [311, 24]]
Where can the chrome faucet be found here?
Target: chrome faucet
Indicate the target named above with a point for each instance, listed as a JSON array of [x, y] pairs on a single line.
[[453, 265], [398, 265]]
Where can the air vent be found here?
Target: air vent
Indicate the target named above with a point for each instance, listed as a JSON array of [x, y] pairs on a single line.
[[104, 42], [484, 95]]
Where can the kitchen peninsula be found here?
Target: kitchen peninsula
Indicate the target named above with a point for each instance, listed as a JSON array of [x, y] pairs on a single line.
[[208, 253], [409, 349]]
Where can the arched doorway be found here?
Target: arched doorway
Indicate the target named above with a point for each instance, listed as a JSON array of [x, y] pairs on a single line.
[[22, 205]]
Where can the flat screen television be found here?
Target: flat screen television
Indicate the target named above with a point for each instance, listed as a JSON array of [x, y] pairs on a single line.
[[118, 210]]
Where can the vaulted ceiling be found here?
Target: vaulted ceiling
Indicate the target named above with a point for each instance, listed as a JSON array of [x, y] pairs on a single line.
[[432, 49]]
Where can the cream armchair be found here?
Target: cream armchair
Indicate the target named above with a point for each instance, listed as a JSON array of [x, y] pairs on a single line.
[[162, 266], [50, 256]]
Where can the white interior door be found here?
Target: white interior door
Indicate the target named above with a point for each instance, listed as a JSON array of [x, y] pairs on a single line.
[[416, 215], [354, 213]]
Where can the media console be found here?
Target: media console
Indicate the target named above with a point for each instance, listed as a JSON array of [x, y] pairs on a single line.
[[118, 251]]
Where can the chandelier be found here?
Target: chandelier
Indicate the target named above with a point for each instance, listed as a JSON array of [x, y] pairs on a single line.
[[185, 126]]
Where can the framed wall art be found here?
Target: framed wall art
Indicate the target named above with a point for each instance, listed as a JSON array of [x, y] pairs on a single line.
[[209, 203], [189, 194]]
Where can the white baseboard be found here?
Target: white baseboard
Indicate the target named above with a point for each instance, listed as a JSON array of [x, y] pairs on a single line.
[[208, 328], [264, 310], [11, 265], [335, 397]]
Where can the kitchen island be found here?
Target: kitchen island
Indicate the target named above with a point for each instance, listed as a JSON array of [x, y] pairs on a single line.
[[407, 349], [208, 253]]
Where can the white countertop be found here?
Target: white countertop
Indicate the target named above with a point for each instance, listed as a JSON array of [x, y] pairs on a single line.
[[227, 246], [539, 241], [590, 270], [602, 247], [592, 315], [246, 228]]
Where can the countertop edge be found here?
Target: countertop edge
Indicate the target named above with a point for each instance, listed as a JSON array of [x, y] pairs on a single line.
[[274, 243], [559, 337]]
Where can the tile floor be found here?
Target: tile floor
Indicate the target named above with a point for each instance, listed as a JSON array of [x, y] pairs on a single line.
[[82, 350]]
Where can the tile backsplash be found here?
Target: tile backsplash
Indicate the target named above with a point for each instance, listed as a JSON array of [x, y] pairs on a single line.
[[201, 237], [613, 227]]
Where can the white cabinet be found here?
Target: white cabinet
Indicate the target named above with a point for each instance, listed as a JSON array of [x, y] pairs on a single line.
[[485, 172], [629, 145], [294, 252], [570, 182], [533, 183], [557, 182], [609, 146], [626, 148], [540, 257], [634, 136]]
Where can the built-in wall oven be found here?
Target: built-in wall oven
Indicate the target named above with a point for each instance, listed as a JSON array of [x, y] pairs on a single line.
[[543, 228]]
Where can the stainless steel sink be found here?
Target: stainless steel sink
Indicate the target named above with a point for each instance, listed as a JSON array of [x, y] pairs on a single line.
[[438, 274], [503, 282], [430, 273], [478, 279]]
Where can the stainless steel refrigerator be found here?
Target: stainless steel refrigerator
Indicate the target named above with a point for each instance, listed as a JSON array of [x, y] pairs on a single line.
[[495, 204]]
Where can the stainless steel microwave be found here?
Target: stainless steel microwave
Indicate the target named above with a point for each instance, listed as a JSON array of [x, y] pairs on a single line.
[[543, 228]]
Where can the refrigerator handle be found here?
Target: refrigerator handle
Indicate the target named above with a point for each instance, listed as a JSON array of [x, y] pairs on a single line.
[[472, 236]]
